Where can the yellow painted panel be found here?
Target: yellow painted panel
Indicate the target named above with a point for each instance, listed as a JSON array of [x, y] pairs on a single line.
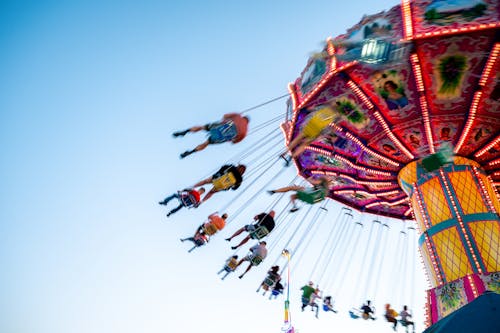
[[409, 173], [487, 238], [491, 192], [435, 201], [467, 192], [452, 254]]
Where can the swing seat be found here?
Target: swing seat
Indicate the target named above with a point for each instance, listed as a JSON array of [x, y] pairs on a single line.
[[188, 200], [269, 281], [354, 314], [311, 196], [200, 242], [224, 182], [327, 308], [259, 233], [407, 326], [275, 292], [210, 229], [256, 260], [223, 132], [231, 266], [365, 316]]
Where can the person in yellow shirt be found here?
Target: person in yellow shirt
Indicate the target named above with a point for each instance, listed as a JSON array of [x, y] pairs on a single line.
[[315, 126], [229, 266], [228, 177]]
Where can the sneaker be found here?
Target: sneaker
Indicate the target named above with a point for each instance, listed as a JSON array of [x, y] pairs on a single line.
[[162, 203], [168, 214], [234, 247], [271, 192], [228, 239], [180, 133], [186, 153], [294, 209]]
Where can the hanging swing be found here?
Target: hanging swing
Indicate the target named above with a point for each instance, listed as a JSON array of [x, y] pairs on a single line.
[[335, 280], [270, 280], [210, 229], [187, 199], [367, 310], [229, 267], [224, 182], [318, 295], [259, 233], [223, 132], [199, 240], [311, 195], [256, 259], [404, 321], [273, 281]]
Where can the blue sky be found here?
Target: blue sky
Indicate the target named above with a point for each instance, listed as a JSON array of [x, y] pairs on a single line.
[[90, 92]]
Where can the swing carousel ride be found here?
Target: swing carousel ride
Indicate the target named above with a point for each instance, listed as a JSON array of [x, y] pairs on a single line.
[[417, 136], [407, 109]]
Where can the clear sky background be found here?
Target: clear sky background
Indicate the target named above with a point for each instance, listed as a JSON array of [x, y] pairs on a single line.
[[90, 92]]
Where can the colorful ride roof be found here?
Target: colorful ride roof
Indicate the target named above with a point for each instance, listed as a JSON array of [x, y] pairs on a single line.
[[408, 82]]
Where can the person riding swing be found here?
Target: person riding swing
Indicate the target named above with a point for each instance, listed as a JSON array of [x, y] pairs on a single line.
[[228, 177], [189, 198], [202, 235], [310, 195]]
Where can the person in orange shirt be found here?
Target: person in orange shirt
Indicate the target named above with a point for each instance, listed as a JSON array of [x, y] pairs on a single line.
[[390, 316], [233, 127], [202, 235]]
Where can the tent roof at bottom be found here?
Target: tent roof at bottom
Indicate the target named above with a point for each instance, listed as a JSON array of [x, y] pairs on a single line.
[[480, 315]]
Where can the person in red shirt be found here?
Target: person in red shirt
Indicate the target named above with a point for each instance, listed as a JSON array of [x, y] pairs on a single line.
[[187, 198], [233, 127]]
